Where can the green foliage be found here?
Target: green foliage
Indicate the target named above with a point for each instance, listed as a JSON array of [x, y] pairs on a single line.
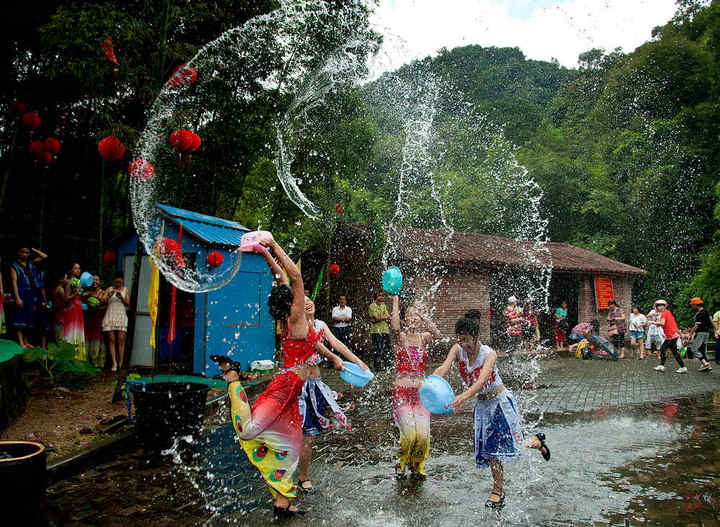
[[58, 362]]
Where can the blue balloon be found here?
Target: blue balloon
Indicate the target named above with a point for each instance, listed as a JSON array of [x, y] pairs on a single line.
[[392, 280], [86, 279], [436, 395], [355, 375]]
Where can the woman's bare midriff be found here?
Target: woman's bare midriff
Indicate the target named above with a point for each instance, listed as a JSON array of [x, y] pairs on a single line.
[[409, 381], [313, 372]]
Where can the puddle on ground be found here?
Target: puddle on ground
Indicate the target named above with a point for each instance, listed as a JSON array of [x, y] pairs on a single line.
[[655, 464]]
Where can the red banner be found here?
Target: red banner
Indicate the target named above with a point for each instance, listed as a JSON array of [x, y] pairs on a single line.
[[603, 292]]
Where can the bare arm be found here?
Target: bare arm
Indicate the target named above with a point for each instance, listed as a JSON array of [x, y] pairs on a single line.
[[40, 255], [337, 361], [395, 317], [477, 385], [342, 348], [273, 265], [297, 309], [448, 362], [13, 280], [125, 296]]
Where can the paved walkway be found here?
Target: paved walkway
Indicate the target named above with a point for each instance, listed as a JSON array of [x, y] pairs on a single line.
[[573, 385]]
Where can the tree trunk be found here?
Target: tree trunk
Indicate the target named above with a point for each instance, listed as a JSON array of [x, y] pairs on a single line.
[[124, 367]]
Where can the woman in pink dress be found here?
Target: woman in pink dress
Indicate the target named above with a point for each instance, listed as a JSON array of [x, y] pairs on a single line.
[[73, 320]]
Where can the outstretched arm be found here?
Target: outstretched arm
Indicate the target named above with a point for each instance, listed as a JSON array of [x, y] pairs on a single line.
[[395, 316], [342, 348], [448, 362], [276, 270], [337, 361], [479, 383]]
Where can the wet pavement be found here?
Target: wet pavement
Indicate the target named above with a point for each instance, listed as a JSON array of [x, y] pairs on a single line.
[[629, 447]]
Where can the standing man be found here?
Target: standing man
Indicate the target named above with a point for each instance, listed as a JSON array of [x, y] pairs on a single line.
[[669, 326], [380, 331], [700, 332], [341, 317], [514, 323]]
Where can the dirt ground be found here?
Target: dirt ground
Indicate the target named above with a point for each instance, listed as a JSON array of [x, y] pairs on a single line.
[[66, 421]]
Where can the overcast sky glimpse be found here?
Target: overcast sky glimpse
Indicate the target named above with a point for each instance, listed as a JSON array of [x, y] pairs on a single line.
[[542, 29]]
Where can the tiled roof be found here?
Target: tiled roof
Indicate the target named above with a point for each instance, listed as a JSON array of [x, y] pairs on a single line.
[[464, 248], [209, 229]]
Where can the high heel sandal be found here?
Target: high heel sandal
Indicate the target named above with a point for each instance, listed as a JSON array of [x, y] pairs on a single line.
[[544, 450], [282, 513], [499, 504], [302, 487]]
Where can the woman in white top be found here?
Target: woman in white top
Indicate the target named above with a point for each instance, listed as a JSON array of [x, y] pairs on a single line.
[[637, 332], [115, 321]]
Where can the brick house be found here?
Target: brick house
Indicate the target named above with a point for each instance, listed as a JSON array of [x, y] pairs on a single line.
[[482, 271]]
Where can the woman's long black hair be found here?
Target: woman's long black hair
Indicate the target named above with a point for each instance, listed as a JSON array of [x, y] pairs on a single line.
[[280, 302]]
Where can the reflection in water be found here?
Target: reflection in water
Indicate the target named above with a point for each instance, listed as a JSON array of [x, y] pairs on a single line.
[[645, 465]]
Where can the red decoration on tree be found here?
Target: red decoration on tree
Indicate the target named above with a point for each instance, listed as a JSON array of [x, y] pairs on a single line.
[[111, 148], [185, 141], [110, 258], [215, 259], [338, 208], [47, 158], [52, 145], [18, 108], [37, 149], [183, 75], [109, 50], [171, 250], [334, 269], [32, 121], [141, 170]]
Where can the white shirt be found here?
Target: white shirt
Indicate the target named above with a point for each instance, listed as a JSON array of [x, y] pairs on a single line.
[[341, 312], [637, 322]]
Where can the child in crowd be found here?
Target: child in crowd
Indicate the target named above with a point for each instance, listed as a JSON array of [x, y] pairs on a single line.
[[637, 332]]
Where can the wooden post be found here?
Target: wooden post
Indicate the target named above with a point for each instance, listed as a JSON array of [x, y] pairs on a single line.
[[132, 314]]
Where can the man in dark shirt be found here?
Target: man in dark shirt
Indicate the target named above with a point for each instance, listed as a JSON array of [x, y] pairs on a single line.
[[700, 332]]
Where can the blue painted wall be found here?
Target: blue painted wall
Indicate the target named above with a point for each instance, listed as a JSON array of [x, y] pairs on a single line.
[[233, 320]]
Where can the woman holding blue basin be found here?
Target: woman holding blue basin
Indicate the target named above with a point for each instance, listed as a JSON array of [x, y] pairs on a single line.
[[412, 333], [497, 423], [316, 396]]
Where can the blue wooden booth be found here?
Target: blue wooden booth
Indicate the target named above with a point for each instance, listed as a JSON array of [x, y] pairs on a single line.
[[233, 320]]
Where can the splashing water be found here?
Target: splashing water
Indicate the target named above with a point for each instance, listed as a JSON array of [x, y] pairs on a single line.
[[275, 53]]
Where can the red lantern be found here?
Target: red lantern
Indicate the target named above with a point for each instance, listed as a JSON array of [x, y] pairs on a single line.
[[47, 158], [111, 148], [196, 142], [109, 50], [52, 145], [171, 250], [110, 258], [18, 107], [182, 140], [338, 208], [32, 121], [37, 149], [183, 75], [141, 170], [215, 259], [334, 269]]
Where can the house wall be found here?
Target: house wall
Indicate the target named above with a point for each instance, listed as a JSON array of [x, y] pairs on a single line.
[[622, 287]]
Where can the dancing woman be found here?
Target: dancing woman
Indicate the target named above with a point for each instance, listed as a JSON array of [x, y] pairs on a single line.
[[497, 422], [271, 434], [413, 333], [317, 396]]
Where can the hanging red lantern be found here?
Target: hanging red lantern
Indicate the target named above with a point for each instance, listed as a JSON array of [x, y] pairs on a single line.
[[182, 140], [111, 148], [52, 145], [196, 142], [172, 251], [215, 259], [18, 108], [334, 269], [109, 50], [47, 158], [338, 208], [183, 75], [141, 170], [110, 258], [31, 121], [37, 149]]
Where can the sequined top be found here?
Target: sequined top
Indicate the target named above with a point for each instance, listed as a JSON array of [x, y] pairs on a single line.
[[410, 360], [298, 351], [471, 372]]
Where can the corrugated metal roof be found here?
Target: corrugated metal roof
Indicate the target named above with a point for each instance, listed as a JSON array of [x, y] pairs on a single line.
[[212, 230]]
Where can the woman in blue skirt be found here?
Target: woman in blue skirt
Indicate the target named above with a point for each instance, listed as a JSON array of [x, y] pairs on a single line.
[[498, 436]]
